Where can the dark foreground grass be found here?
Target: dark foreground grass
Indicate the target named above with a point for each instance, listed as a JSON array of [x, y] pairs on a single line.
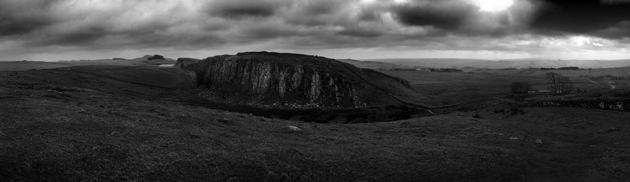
[[55, 141], [54, 132]]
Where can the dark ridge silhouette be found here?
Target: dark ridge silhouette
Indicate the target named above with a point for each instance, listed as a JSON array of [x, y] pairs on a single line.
[[154, 57]]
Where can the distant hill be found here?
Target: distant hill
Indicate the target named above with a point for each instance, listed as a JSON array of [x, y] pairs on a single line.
[[29, 65], [145, 60], [515, 63], [374, 64]]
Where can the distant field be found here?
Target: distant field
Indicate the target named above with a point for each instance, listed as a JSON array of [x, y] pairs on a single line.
[[570, 73], [501, 64], [374, 64], [465, 88], [578, 77], [28, 65], [476, 87]]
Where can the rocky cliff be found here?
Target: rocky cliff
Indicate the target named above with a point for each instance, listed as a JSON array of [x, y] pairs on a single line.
[[184, 62], [278, 80]]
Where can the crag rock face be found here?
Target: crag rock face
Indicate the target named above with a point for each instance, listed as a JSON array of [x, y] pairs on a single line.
[[277, 80], [184, 62]]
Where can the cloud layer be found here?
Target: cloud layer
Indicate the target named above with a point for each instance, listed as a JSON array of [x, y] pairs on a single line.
[[69, 28]]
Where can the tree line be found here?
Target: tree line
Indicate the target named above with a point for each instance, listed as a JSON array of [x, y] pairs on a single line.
[[558, 84]]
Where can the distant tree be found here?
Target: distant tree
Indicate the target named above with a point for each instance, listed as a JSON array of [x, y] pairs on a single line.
[[566, 86], [520, 87], [569, 68], [552, 79], [558, 83]]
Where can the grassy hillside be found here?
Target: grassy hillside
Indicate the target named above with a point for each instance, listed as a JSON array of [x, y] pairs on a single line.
[[57, 132], [104, 123]]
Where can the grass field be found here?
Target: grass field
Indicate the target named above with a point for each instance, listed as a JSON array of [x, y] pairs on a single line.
[[478, 86], [463, 88], [30, 65], [119, 125]]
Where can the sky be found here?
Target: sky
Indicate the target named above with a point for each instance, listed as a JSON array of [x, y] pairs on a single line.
[[51, 30]]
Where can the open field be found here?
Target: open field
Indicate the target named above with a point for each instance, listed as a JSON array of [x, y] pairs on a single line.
[[30, 65], [502, 64], [477, 86], [463, 88], [109, 123]]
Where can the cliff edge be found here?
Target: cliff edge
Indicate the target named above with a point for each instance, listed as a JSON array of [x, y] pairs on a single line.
[[293, 81]]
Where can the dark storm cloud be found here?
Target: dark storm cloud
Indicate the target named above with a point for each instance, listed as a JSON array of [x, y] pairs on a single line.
[[115, 25], [361, 32], [591, 17], [441, 14], [313, 13], [74, 38], [24, 16], [243, 8], [620, 30], [465, 18]]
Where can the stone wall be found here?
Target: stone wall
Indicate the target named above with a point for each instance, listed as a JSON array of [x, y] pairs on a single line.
[[607, 104]]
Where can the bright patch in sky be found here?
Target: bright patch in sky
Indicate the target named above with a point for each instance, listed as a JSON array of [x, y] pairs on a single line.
[[367, 1], [493, 5]]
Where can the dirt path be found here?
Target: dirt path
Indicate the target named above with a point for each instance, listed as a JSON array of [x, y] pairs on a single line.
[[586, 73], [612, 86], [591, 81], [609, 84]]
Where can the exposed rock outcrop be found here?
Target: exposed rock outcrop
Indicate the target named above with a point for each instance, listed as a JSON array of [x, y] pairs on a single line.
[[278, 80], [154, 57], [184, 62]]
